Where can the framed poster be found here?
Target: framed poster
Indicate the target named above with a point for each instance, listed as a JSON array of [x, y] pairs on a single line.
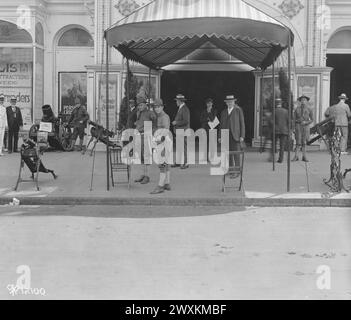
[[101, 103], [71, 85], [308, 85], [16, 79], [142, 86]]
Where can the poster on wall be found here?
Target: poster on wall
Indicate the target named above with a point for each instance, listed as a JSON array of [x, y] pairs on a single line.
[[101, 102], [72, 85], [142, 86], [16, 80], [308, 86]]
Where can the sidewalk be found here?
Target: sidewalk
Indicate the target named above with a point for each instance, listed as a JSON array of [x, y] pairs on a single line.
[[195, 186]]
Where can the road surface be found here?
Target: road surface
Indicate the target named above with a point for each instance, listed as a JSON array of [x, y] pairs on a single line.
[[161, 252]]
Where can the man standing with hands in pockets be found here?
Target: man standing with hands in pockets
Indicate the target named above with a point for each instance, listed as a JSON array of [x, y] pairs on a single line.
[[232, 119]]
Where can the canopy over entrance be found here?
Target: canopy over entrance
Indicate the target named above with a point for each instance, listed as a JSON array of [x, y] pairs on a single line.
[[165, 31]]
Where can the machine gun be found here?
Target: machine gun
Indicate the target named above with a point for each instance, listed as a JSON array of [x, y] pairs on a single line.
[[331, 135], [322, 129], [99, 133]]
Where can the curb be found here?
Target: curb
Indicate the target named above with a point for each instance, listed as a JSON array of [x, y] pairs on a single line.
[[187, 202]]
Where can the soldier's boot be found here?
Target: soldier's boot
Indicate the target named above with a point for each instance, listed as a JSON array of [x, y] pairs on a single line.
[[296, 157], [73, 143], [304, 158], [80, 147]]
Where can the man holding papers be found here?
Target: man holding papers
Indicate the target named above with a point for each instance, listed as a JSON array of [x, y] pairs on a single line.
[[209, 121]]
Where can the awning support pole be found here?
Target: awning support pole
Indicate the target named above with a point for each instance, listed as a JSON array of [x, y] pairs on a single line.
[[107, 115], [261, 114], [273, 117], [290, 115], [149, 86], [128, 89]]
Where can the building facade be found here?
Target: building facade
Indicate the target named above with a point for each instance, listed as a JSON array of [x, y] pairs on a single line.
[[54, 50]]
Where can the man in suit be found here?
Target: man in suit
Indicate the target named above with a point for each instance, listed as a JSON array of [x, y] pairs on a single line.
[[182, 121], [3, 122], [281, 128], [15, 124], [342, 115], [232, 119]]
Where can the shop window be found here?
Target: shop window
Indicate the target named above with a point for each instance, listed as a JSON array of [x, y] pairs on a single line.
[[76, 37], [10, 33], [39, 34]]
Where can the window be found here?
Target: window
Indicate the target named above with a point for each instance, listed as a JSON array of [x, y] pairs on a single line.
[[76, 37], [9, 33]]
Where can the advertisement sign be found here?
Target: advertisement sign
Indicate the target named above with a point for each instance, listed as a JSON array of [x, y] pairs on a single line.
[[16, 80], [308, 85], [101, 102], [72, 85]]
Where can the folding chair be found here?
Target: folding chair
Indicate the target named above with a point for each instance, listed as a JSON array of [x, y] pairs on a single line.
[[235, 172], [118, 166]]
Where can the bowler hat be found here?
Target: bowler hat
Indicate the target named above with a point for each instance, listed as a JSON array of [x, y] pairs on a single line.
[[304, 97], [343, 96], [2, 97], [230, 98], [180, 97]]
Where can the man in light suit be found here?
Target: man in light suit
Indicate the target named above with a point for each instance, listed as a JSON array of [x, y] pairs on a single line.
[[232, 119], [182, 121], [15, 124], [3, 122]]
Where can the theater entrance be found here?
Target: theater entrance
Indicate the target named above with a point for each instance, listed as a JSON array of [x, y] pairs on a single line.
[[199, 85]]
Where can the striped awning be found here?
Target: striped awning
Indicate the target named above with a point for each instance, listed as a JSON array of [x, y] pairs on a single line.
[[165, 31]]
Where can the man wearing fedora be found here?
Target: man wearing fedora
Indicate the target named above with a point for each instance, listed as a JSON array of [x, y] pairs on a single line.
[[341, 114], [3, 122], [232, 119], [182, 121], [15, 124], [302, 118]]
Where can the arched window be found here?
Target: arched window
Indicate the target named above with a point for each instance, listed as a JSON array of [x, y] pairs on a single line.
[[76, 37], [10, 33], [39, 34], [340, 40]]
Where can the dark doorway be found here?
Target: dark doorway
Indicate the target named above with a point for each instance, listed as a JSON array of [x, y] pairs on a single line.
[[197, 86], [340, 81]]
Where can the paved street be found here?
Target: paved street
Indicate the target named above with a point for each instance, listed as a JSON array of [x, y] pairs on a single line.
[[176, 253]]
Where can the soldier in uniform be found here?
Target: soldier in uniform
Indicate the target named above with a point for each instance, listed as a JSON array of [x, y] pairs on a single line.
[[78, 120], [303, 117]]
